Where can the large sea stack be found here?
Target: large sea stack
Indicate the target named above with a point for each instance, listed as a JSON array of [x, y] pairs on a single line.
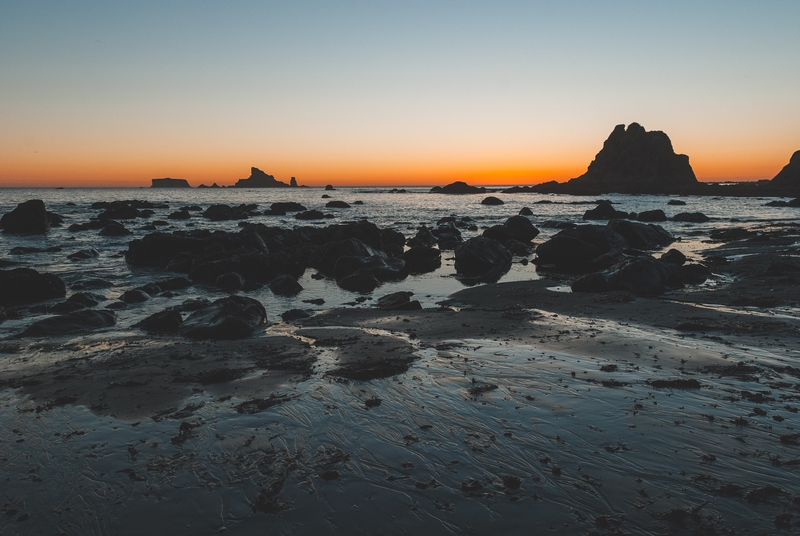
[[259, 179], [635, 161], [787, 181], [170, 183]]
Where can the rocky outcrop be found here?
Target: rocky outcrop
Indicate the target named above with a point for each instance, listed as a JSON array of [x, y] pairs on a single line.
[[234, 317], [642, 235], [581, 249], [27, 218], [259, 179], [25, 285], [170, 183], [787, 181], [76, 322], [458, 187]]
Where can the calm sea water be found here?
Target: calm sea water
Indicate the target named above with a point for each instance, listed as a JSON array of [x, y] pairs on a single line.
[[404, 212]]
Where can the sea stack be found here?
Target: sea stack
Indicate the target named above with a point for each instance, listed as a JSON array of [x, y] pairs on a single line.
[[259, 179], [787, 181], [170, 183], [635, 161], [293, 183]]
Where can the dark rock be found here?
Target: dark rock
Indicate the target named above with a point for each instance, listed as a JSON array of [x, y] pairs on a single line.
[[270, 212], [676, 202], [293, 182], [728, 235], [234, 317], [288, 207], [691, 217], [113, 228], [295, 314], [383, 269], [694, 274], [329, 188], [77, 227], [230, 281], [596, 282], [170, 183], [635, 161], [83, 254], [525, 211], [337, 204], [91, 284], [421, 260], [674, 256], [25, 285], [492, 201], [398, 301], [309, 215], [604, 211], [652, 215], [285, 285], [423, 239], [520, 249], [642, 235], [175, 283], [182, 214], [645, 276], [27, 218], [259, 179], [482, 259], [162, 322], [120, 210], [787, 181], [87, 299], [359, 282], [117, 305], [581, 248], [458, 187], [134, 296], [325, 257], [520, 228], [25, 250], [448, 237], [75, 322], [225, 212]]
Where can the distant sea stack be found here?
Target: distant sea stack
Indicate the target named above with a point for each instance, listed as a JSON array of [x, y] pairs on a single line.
[[170, 183], [458, 187], [259, 179], [635, 161], [787, 181]]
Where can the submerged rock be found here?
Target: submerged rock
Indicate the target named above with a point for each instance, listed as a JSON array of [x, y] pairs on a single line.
[[234, 317], [492, 201], [691, 217]]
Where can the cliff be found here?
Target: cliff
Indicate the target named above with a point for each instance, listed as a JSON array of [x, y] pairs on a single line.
[[787, 181]]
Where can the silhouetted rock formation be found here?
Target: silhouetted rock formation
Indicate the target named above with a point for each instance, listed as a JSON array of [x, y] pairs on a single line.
[[170, 183], [293, 183], [636, 161], [259, 179], [28, 218], [787, 181], [458, 187]]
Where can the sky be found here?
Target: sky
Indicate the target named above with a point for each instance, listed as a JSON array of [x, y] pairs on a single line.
[[393, 93]]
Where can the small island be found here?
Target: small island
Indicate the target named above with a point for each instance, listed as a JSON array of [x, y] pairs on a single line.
[[259, 179], [170, 183]]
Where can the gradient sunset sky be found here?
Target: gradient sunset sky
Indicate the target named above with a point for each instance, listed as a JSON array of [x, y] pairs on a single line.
[[397, 93]]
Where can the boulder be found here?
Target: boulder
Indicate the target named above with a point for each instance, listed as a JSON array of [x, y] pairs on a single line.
[[162, 322], [25, 285], [676, 202], [182, 214], [75, 322], [287, 207], [114, 228], [398, 301], [674, 256], [583, 248], [325, 257], [604, 211], [691, 217], [134, 296], [120, 210], [383, 269], [645, 276], [694, 274], [642, 235], [422, 260], [458, 187], [652, 215], [295, 314], [27, 218], [359, 282], [230, 281], [520, 228], [83, 254], [525, 211], [225, 212], [310, 215], [448, 237], [285, 285], [482, 258], [234, 317], [329, 187], [423, 239], [492, 201], [595, 282], [337, 204]]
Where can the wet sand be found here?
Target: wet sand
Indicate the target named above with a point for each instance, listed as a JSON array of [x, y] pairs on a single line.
[[512, 407]]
